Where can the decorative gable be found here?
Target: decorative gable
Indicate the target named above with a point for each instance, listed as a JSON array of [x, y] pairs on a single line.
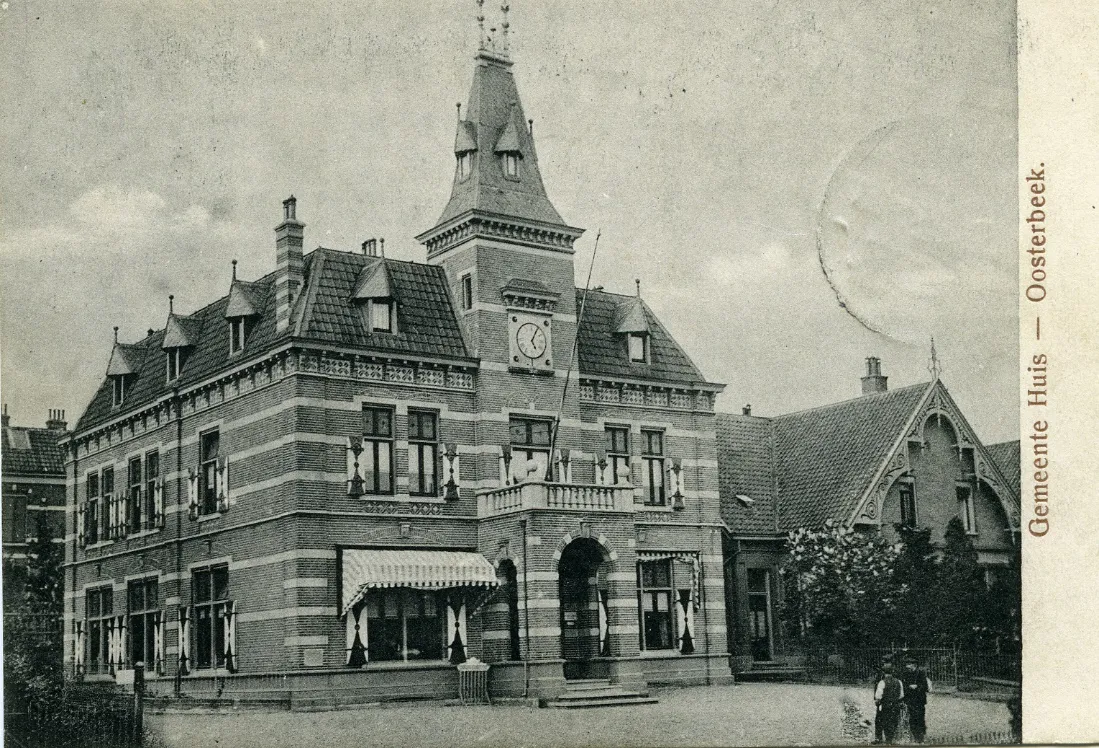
[[243, 300], [125, 360], [180, 332], [508, 141], [373, 283], [466, 138], [630, 317]]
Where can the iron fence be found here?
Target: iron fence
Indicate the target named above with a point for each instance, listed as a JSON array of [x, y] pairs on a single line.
[[950, 668]]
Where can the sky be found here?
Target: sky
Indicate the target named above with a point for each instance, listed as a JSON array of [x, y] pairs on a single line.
[[796, 185]]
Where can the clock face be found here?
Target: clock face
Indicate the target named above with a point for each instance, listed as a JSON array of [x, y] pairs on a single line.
[[531, 340]]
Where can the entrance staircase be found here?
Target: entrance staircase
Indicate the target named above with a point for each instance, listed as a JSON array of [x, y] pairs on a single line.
[[589, 693], [771, 671]]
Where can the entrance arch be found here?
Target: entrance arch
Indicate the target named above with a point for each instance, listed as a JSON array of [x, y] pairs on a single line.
[[582, 592]]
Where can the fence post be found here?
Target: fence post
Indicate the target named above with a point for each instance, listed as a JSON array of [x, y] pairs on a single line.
[[139, 702], [956, 683]]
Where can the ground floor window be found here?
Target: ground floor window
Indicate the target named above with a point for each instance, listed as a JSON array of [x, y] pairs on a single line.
[[405, 624], [100, 607], [143, 601], [654, 587], [211, 597]]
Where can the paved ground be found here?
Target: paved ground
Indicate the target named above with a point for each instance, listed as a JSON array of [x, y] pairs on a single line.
[[749, 714]]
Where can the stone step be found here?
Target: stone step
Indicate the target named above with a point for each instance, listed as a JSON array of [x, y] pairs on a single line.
[[587, 684], [610, 692], [771, 674], [627, 700]]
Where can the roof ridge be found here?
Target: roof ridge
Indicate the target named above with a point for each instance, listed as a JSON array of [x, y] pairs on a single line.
[[857, 398]]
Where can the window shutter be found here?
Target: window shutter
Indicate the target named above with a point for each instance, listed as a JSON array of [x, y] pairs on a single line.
[[192, 493], [122, 627], [452, 473], [81, 535], [505, 465], [158, 643], [354, 475], [675, 481], [184, 640], [685, 616], [357, 652], [230, 623], [98, 521], [604, 627], [158, 503], [112, 645], [600, 464], [78, 647], [563, 458], [456, 631], [222, 484]]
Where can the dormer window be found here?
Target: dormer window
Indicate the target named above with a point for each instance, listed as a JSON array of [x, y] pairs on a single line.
[[511, 165], [175, 358], [379, 314], [638, 346], [465, 165], [119, 389], [238, 331]]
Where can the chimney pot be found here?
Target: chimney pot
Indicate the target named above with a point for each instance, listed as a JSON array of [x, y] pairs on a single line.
[[747, 409], [874, 383], [370, 248], [56, 420]]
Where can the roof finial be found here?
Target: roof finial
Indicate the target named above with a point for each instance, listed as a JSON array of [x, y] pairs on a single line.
[[234, 271], [530, 127], [116, 334], [637, 282], [459, 105], [171, 303], [934, 366], [481, 25], [382, 242], [504, 26]]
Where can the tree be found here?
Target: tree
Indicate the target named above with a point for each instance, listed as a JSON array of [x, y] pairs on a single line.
[[840, 585], [962, 596], [43, 590], [917, 577]]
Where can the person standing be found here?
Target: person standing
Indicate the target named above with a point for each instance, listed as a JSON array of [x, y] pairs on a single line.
[[916, 687], [888, 696]]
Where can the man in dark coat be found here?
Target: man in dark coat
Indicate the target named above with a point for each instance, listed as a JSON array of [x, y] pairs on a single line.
[[888, 696], [916, 687]]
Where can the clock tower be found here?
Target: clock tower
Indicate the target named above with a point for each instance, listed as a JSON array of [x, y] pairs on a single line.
[[507, 253]]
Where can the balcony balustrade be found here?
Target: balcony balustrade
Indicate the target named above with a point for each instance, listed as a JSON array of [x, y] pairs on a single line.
[[541, 495]]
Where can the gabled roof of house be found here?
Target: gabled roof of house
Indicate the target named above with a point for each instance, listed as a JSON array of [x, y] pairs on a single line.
[[31, 452], [826, 457], [602, 349], [746, 476], [1007, 457]]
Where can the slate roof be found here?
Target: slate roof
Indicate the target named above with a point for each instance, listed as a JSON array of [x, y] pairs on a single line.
[[426, 322], [494, 110], [44, 457], [325, 313], [602, 351], [826, 457], [745, 464], [1008, 458]]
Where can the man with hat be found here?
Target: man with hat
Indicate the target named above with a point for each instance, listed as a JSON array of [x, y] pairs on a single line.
[[888, 696], [916, 687]]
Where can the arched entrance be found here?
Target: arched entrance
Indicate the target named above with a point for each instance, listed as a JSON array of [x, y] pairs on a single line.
[[583, 596]]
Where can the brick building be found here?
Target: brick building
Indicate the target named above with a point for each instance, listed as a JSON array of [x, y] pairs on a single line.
[[886, 458], [33, 485], [353, 472]]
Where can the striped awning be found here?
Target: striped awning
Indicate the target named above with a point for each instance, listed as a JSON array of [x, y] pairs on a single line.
[[433, 570]]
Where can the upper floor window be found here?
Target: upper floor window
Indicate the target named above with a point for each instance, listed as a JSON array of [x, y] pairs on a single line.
[[15, 518], [618, 452], [966, 509], [377, 456], [209, 447], [511, 164], [465, 165], [142, 512], [381, 315], [908, 505], [652, 463], [638, 346], [238, 331], [175, 358], [92, 513], [467, 292], [530, 440], [423, 453], [119, 388], [135, 490]]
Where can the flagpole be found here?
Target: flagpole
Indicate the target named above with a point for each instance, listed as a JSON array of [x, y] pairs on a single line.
[[572, 355]]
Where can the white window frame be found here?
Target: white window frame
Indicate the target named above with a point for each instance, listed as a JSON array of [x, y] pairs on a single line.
[[967, 509], [641, 339], [511, 165]]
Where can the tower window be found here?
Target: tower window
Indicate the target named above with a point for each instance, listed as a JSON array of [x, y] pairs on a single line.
[[465, 165], [638, 345], [511, 164], [467, 292]]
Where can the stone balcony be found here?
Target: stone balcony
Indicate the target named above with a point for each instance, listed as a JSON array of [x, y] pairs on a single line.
[[554, 496]]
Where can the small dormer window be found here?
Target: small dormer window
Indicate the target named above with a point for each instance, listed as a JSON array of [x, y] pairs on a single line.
[[238, 331], [511, 165], [119, 387], [465, 165], [638, 345], [175, 363], [380, 315]]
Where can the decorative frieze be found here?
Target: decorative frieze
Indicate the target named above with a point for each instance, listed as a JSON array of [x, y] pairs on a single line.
[[400, 374], [633, 396], [433, 377], [643, 395]]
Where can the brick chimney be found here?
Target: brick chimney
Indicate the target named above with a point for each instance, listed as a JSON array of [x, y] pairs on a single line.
[[6, 418], [747, 409], [56, 420], [874, 382], [289, 263], [370, 248]]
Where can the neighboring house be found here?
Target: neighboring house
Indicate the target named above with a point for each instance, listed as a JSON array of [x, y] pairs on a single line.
[[33, 484], [886, 458], [357, 471]]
